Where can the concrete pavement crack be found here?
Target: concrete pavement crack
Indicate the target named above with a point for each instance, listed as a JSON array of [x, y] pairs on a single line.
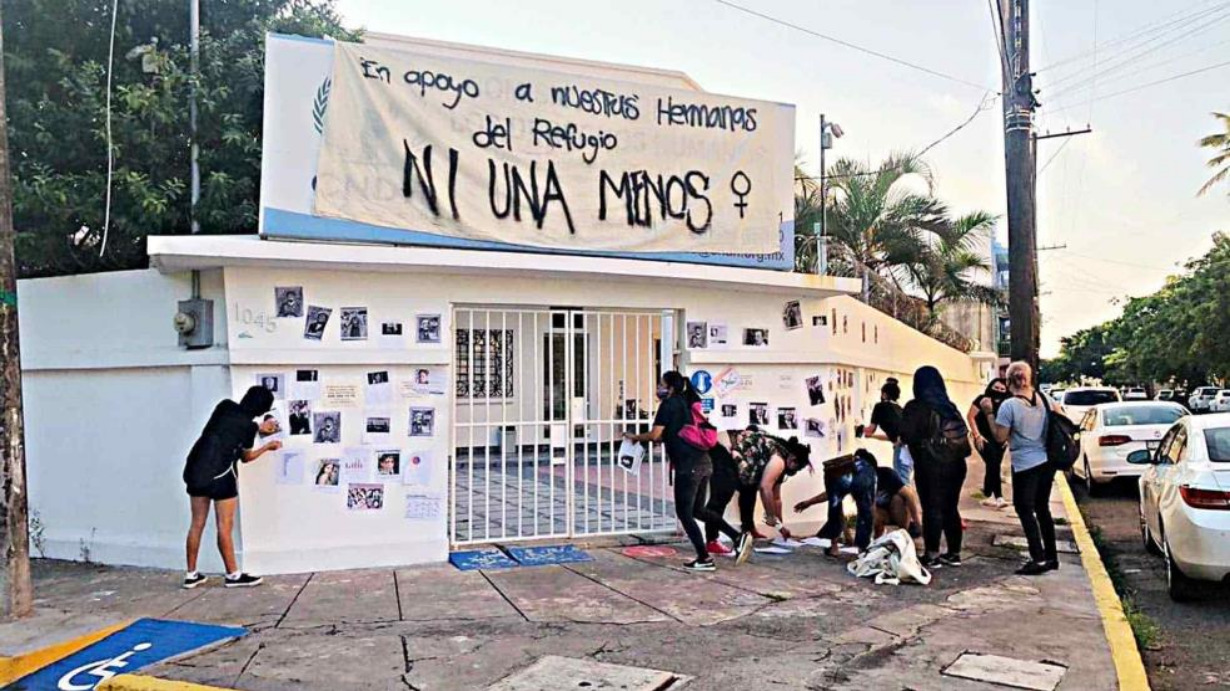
[[501, 592], [251, 658], [294, 599], [620, 592], [397, 594]]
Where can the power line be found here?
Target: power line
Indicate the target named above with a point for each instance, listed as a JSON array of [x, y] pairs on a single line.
[[1052, 158], [853, 46], [1171, 78], [1065, 94]]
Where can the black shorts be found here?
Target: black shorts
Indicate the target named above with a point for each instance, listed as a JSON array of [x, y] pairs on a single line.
[[222, 488]]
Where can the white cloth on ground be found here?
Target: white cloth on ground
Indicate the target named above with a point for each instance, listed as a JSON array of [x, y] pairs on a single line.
[[891, 559]]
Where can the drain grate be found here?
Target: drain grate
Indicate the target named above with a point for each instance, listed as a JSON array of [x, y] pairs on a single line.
[[554, 673], [1007, 671]]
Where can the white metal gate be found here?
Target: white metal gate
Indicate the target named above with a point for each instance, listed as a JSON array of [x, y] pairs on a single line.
[[542, 397]]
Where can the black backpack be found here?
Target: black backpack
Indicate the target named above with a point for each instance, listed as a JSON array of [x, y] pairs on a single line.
[[949, 438], [1063, 439]]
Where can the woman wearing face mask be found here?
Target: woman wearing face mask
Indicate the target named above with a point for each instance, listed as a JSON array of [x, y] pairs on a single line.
[[939, 443], [989, 448], [692, 468]]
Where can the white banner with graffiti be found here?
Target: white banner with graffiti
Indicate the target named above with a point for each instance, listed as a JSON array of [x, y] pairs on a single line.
[[539, 158]]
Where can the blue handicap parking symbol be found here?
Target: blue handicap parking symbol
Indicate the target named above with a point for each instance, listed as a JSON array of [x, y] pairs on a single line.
[[140, 644]]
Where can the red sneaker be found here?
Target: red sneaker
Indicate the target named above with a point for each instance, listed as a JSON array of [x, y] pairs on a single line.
[[718, 548], [756, 534]]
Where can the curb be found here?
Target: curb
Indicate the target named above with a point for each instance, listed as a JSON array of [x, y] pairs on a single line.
[[1129, 666], [139, 682]]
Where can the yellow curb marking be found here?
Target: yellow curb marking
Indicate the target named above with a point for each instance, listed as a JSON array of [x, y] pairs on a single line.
[[1129, 667], [139, 682], [14, 668]]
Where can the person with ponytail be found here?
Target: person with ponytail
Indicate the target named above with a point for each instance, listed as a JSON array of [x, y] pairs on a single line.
[[692, 469], [938, 439]]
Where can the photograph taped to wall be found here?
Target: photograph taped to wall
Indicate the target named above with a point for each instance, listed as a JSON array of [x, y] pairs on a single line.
[[423, 507], [813, 427], [787, 419], [305, 385], [391, 329], [792, 315], [758, 414], [275, 382], [427, 328], [289, 301], [276, 414], [388, 464], [728, 417], [379, 389], [392, 335], [328, 426], [718, 334], [418, 468], [819, 320], [698, 335], [756, 338], [328, 474], [422, 421], [815, 390], [300, 418], [315, 322], [377, 427], [288, 469], [354, 323], [362, 496]]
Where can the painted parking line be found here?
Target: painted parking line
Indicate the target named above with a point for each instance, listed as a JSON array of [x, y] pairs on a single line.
[[18, 666], [137, 645]]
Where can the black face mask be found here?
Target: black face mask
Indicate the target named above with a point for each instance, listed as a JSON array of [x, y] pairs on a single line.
[[998, 396]]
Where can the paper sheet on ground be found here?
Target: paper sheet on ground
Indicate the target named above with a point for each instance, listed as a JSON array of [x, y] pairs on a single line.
[[821, 542], [772, 549]]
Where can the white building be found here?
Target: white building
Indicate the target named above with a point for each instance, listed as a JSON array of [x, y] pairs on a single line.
[[507, 380]]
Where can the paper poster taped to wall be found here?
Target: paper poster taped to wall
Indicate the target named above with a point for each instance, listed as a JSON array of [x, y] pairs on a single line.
[[427, 329], [328, 427], [728, 381], [300, 418], [792, 315], [391, 335], [418, 468], [758, 414], [377, 427], [422, 421], [364, 496], [288, 301], [388, 464], [356, 465], [305, 385], [275, 382], [288, 469], [815, 390], [328, 475], [423, 507], [718, 335], [787, 419], [273, 425], [315, 322], [425, 381], [354, 323], [756, 338], [379, 389], [630, 456], [341, 395], [698, 335], [813, 427]]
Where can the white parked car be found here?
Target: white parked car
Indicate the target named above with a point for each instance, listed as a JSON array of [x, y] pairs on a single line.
[[1202, 398], [1076, 402], [1135, 393], [1111, 431], [1220, 402], [1185, 501]]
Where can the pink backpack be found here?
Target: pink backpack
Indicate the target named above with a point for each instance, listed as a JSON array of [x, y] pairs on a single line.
[[699, 433]]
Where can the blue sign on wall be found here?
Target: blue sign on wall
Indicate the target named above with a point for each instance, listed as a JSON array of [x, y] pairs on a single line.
[[140, 644], [702, 381]]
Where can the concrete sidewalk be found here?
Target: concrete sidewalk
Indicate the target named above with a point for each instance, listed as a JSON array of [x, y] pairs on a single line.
[[796, 621]]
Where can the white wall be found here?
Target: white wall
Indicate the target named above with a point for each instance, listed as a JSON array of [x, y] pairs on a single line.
[[112, 406]]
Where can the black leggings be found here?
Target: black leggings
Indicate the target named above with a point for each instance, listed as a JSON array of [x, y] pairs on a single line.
[[993, 456], [691, 487], [1031, 496], [939, 485], [722, 488]]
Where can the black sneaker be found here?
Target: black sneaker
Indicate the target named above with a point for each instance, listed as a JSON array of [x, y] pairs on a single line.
[[191, 582], [1051, 564], [932, 563], [698, 565], [243, 580], [950, 559], [743, 548], [1032, 568]]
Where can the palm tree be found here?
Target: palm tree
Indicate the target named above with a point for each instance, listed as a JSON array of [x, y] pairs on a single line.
[[806, 216], [942, 270], [875, 219], [1220, 144]]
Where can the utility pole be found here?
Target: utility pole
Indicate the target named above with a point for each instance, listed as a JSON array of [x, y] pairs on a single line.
[[1021, 168], [16, 592]]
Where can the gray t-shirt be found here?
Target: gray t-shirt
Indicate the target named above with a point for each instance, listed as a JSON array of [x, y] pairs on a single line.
[[1028, 439]]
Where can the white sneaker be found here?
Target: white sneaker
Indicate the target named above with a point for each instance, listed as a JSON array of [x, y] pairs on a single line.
[[990, 502]]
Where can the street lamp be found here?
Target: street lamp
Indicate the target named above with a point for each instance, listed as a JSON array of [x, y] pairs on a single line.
[[828, 132]]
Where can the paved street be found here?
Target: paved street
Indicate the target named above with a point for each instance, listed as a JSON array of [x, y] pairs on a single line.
[[1193, 650], [797, 621]]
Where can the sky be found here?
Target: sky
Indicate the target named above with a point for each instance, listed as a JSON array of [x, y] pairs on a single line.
[[1119, 204]]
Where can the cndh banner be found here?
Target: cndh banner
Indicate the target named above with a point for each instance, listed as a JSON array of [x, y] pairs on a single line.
[[413, 144]]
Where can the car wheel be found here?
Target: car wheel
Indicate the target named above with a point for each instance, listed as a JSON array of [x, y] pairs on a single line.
[[1178, 586], [1146, 536], [1091, 488]]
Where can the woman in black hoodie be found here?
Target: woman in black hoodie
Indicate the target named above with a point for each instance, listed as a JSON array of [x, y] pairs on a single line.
[[211, 475]]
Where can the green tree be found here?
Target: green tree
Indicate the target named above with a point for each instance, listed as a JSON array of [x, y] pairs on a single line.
[[56, 55], [1220, 161], [945, 264], [807, 212]]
